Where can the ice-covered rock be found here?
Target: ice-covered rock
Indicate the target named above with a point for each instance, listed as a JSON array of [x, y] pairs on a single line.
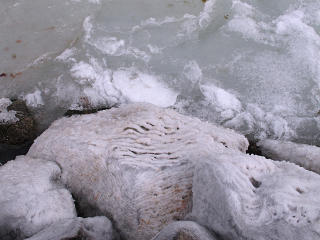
[[30, 198], [5, 115], [306, 156], [184, 230], [17, 126], [249, 197], [96, 228], [134, 163]]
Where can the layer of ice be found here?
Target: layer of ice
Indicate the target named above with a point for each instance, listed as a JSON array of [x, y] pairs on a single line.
[[134, 163], [250, 65], [248, 197], [31, 198]]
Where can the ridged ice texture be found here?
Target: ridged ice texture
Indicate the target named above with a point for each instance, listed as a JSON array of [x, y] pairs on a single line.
[[184, 230], [247, 197], [96, 228], [134, 163], [30, 199], [306, 156]]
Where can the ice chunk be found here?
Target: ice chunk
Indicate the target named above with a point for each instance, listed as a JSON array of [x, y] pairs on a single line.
[[31, 198], [306, 156], [242, 196]]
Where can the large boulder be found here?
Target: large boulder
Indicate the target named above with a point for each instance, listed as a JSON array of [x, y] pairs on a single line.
[[184, 230], [248, 197], [96, 228], [304, 155], [134, 163], [31, 198]]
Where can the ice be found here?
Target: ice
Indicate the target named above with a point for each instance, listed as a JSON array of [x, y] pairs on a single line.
[[241, 196], [133, 163], [301, 154], [263, 54], [31, 198]]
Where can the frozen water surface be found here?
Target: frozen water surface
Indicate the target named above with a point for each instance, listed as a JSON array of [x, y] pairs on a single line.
[[250, 65]]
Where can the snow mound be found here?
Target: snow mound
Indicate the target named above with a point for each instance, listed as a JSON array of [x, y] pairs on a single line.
[[242, 196], [30, 197]]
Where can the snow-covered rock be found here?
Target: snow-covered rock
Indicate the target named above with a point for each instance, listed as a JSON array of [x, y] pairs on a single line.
[[306, 156], [96, 228], [30, 198], [184, 230], [134, 163], [5, 115], [247, 197]]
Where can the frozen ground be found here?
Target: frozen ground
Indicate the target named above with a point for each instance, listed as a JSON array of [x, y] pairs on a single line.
[[249, 65]]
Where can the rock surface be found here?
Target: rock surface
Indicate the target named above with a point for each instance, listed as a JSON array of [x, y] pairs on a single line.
[[306, 156], [134, 163], [248, 197], [184, 230], [30, 198], [96, 228], [16, 123]]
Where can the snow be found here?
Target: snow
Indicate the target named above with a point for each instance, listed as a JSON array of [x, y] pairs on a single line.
[[139, 153], [306, 156], [31, 198], [242, 196], [34, 99], [5, 115]]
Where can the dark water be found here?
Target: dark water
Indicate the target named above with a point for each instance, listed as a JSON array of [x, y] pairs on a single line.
[[9, 152]]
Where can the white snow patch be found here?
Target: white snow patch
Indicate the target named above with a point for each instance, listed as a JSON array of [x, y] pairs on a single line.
[[5, 115], [222, 99], [34, 99], [142, 87]]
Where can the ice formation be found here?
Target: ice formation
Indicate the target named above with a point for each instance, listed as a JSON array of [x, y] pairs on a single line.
[[31, 198], [249, 197], [134, 163], [304, 155], [249, 65]]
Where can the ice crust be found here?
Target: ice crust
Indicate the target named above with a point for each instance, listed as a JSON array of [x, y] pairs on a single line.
[[301, 154], [134, 163], [148, 167], [248, 197], [31, 198], [252, 66]]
